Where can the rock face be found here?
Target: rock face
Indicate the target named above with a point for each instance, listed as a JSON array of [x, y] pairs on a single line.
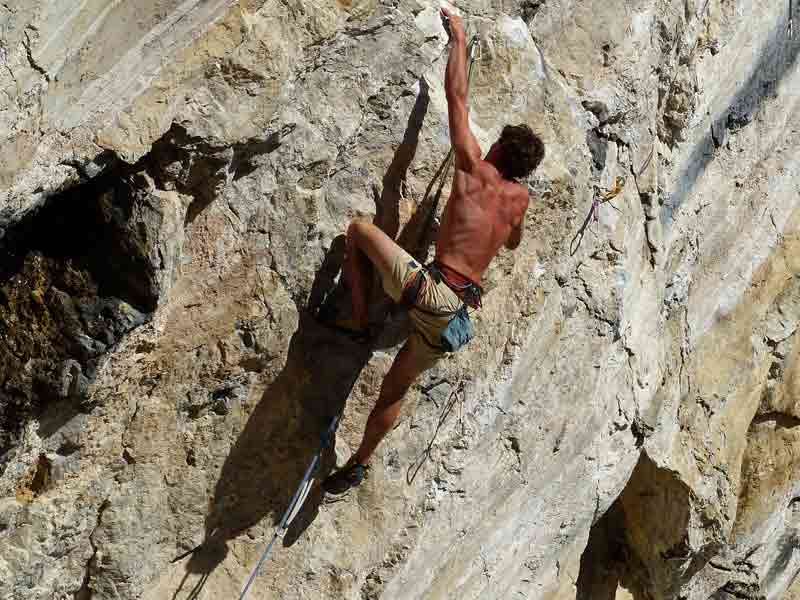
[[175, 180]]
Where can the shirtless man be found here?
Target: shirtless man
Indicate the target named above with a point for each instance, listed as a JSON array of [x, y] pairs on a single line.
[[485, 211]]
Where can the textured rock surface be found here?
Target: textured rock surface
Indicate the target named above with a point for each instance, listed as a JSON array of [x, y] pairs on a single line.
[[175, 180]]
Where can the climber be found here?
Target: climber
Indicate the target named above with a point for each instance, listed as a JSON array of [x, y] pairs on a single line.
[[484, 212]]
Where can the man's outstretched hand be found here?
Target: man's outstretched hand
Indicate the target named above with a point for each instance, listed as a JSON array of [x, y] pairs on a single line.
[[454, 25]]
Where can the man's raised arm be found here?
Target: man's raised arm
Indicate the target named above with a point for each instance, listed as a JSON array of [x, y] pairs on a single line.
[[467, 150]]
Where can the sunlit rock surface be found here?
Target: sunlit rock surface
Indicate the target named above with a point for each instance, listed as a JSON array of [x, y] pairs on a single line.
[[175, 178]]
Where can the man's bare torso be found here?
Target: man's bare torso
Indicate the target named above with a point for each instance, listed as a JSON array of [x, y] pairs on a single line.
[[479, 218]]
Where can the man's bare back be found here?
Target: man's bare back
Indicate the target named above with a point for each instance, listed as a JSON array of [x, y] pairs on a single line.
[[484, 212], [486, 208]]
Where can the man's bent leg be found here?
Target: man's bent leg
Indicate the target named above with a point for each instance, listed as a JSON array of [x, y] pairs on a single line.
[[367, 244], [358, 275], [406, 367]]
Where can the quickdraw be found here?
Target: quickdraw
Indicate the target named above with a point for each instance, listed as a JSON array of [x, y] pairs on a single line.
[[599, 198]]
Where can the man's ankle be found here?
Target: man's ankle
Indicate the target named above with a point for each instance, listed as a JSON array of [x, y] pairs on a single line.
[[356, 460]]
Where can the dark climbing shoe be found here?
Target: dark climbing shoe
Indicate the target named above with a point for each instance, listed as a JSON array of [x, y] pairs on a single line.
[[344, 479]]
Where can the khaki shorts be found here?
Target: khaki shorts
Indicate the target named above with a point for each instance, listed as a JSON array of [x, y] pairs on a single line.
[[425, 341]]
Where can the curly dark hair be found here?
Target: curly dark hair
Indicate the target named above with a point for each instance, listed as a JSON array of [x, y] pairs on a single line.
[[521, 151]]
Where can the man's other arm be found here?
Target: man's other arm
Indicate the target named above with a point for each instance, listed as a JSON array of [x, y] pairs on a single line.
[[515, 238]]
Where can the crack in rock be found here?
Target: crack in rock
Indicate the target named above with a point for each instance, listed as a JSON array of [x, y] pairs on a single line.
[[31, 61], [85, 591]]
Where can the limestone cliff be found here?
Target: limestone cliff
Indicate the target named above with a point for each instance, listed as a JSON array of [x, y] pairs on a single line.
[[175, 179]]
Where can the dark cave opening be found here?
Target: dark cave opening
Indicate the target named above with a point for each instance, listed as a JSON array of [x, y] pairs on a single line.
[[91, 263], [604, 562], [76, 274], [640, 545]]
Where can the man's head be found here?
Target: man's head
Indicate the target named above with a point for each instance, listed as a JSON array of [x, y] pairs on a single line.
[[517, 153]]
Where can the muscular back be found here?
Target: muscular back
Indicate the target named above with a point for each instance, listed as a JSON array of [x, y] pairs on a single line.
[[484, 212]]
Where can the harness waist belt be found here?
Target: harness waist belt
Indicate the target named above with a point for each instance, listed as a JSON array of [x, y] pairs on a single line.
[[462, 285]]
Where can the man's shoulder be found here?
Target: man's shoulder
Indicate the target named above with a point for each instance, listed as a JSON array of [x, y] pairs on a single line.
[[489, 172], [520, 193], [521, 189]]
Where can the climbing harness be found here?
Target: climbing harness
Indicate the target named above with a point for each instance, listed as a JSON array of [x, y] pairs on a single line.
[[469, 290], [296, 504], [459, 330], [473, 53], [599, 198]]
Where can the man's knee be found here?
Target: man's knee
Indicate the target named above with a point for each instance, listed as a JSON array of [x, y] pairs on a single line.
[[358, 230]]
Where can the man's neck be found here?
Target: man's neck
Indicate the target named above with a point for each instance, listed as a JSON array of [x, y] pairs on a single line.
[[494, 162]]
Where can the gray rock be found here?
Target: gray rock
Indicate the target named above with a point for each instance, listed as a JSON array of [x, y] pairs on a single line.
[[174, 183]]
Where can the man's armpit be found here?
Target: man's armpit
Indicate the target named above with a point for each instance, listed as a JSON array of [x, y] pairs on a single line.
[[514, 238]]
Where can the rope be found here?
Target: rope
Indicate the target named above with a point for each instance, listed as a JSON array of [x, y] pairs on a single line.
[[414, 467], [295, 505]]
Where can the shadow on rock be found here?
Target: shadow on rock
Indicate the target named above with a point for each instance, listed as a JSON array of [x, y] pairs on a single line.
[[280, 439], [282, 435], [387, 200], [778, 57], [204, 560]]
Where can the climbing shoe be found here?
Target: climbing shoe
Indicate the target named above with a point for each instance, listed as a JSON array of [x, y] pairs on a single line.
[[344, 479]]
